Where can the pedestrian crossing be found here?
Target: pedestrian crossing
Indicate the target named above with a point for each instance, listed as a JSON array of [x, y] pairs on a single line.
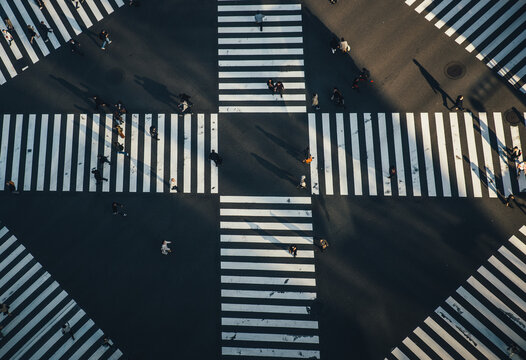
[[268, 297], [484, 319], [435, 155], [248, 57], [39, 308], [61, 16], [495, 30], [56, 152]]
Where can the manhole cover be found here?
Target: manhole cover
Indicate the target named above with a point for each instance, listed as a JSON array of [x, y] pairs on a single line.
[[115, 76], [455, 70], [512, 117]]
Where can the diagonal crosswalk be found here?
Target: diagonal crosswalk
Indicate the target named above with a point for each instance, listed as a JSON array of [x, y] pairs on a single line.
[[58, 152], [248, 57], [435, 155], [483, 319], [39, 308], [61, 16], [268, 296], [494, 30]]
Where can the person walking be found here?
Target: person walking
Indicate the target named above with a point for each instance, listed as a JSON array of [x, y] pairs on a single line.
[[509, 199], [365, 75], [173, 185], [270, 85], [106, 342], [356, 84], [103, 159], [164, 247], [7, 36], [515, 153], [218, 160], [521, 167], [76, 3], [303, 183], [308, 159], [74, 45], [44, 30], [120, 148], [332, 2], [293, 250], [98, 177], [259, 20], [279, 88], [117, 117], [458, 103], [40, 4], [153, 132], [4, 308], [323, 244], [105, 37], [392, 172], [337, 96], [99, 103], [315, 102], [119, 107], [11, 186], [118, 208], [335, 44], [344, 46], [183, 106], [66, 330], [119, 130], [32, 33], [9, 24]]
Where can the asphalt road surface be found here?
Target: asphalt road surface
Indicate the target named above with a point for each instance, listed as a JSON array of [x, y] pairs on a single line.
[[398, 247]]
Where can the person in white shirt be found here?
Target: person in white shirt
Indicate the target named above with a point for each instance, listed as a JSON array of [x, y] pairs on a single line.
[[344, 46], [7, 36], [164, 247]]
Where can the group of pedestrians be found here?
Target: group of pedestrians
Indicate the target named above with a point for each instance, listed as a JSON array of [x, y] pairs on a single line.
[[31, 32], [323, 244], [275, 87], [45, 30]]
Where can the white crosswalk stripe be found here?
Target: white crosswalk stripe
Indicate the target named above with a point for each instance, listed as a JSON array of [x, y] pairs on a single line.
[[483, 319], [268, 296], [276, 50], [58, 152], [39, 308], [435, 155], [15, 58], [494, 29]]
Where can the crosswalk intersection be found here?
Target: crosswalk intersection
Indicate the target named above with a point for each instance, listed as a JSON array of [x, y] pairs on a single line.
[[276, 51], [484, 319], [61, 16], [435, 155], [56, 152], [492, 29], [39, 308], [268, 296]]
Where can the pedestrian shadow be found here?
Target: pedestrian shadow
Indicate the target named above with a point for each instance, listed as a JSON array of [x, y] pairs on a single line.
[[520, 204], [435, 85], [157, 90], [94, 37], [519, 115], [84, 95], [477, 105], [138, 165], [285, 145], [485, 177], [277, 171]]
